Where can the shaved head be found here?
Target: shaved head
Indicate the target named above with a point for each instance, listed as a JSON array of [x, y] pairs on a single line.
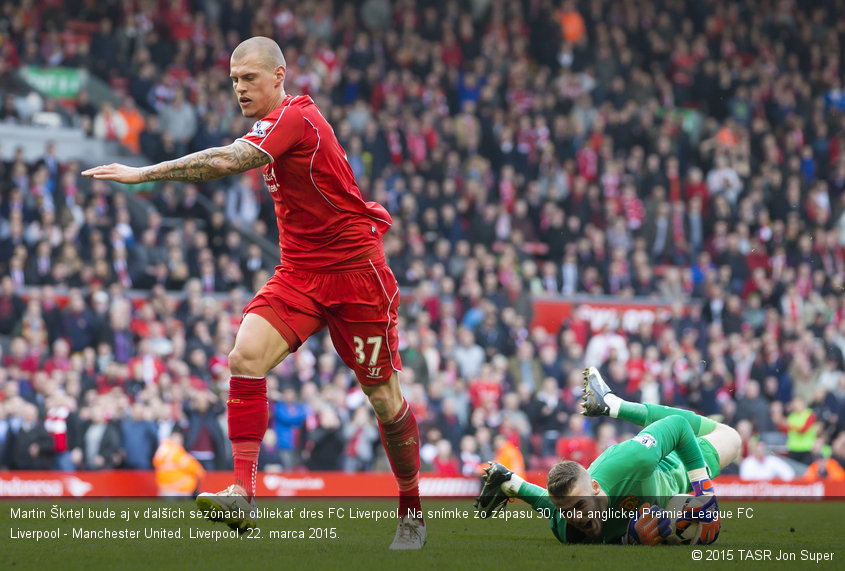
[[258, 72], [268, 51]]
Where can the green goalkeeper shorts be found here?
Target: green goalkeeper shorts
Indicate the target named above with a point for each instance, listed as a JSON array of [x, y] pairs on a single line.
[[711, 457]]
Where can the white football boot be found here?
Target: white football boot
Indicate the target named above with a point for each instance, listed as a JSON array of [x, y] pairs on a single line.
[[410, 534], [229, 506]]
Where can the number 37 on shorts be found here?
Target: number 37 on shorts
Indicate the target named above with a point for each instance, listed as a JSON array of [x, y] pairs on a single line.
[[370, 347], [375, 359]]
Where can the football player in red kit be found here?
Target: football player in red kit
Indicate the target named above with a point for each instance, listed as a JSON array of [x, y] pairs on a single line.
[[332, 273]]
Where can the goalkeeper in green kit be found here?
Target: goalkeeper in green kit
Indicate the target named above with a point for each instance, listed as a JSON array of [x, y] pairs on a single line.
[[618, 497]]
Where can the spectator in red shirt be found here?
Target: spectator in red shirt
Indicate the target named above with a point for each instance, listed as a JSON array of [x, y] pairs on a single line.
[[446, 463]]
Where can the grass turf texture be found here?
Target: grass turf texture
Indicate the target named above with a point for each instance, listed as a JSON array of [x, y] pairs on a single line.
[[454, 542]]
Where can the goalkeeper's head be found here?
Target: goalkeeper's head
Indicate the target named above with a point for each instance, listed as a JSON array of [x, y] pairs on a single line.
[[578, 497]]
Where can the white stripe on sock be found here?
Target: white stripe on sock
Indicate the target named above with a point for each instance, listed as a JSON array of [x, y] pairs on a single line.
[[511, 487], [613, 402]]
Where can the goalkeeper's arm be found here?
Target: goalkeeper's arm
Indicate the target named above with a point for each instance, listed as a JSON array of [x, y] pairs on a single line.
[[673, 433]]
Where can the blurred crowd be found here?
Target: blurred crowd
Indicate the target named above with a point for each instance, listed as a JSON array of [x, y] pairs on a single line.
[[689, 151]]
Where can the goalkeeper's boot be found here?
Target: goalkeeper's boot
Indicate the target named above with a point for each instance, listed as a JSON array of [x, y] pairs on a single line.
[[492, 497], [229, 506], [595, 389], [410, 534]]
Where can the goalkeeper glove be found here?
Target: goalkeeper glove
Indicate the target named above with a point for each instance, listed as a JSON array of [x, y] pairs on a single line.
[[705, 510], [649, 526], [702, 487], [700, 481]]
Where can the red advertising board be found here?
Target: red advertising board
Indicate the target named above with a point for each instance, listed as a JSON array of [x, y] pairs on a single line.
[[130, 483], [550, 313], [134, 483]]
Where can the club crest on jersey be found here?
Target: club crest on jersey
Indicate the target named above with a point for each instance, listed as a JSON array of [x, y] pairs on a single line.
[[629, 503], [260, 128], [646, 440]]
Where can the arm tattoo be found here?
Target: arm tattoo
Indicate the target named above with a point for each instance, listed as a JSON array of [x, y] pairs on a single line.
[[209, 164]]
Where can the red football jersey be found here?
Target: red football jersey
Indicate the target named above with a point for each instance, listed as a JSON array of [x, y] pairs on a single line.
[[323, 221]]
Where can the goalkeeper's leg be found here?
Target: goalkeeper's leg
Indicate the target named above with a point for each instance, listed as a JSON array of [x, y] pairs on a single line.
[[538, 498], [499, 484], [531, 494], [600, 401]]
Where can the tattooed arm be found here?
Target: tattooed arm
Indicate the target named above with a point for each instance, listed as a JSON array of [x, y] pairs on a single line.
[[209, 164]]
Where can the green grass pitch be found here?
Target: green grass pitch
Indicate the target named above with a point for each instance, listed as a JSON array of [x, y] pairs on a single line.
[[456, 540]]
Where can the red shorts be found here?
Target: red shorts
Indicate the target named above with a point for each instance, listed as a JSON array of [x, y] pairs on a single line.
[[359, 307]]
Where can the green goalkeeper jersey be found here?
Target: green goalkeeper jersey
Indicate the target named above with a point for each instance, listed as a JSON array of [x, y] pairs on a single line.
[[646, 469]]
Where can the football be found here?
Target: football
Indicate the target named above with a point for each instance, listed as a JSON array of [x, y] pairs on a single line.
[[688, 532]]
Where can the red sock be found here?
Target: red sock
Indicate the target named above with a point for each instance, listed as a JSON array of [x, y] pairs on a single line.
[[245, 453], [247, 414], [401, 440]]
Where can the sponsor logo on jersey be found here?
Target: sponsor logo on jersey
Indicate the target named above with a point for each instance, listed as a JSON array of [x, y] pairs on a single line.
[[374, 373], [646, 440], [270, 181], [260, 128]]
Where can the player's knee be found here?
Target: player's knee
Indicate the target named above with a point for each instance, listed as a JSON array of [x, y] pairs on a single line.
[[384, 404], [380, 404], [245, 362]]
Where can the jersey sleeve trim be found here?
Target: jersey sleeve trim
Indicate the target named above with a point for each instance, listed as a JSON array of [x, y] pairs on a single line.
[[265, 138], [272, 158], [276, 122]]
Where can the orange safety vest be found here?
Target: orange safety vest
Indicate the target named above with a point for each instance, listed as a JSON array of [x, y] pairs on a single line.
[[509, 456], [176, 470], [835, 473], [135, 124], [572, 26]]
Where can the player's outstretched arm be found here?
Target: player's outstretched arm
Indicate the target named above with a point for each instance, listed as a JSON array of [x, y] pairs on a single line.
[[208, 164]]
